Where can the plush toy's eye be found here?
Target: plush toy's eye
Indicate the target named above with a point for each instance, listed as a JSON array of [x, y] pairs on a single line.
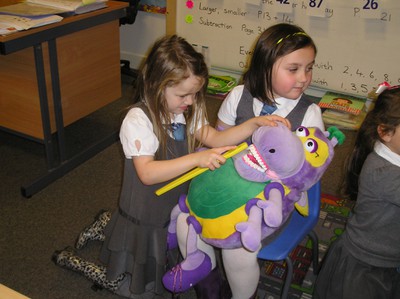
[[311, 145], [302, 132]]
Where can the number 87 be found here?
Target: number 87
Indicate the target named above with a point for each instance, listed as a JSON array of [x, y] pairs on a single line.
[[313, 3]]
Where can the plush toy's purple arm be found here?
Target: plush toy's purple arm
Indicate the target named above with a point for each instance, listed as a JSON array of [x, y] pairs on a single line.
[[272, 206], [250, 230], [270, 210]]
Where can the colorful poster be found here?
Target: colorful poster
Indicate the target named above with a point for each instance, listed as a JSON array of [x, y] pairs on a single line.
[[154, 6]]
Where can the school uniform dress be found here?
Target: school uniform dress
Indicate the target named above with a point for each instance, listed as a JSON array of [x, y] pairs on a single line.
[[240, 106], [136, 235], [364, 262]]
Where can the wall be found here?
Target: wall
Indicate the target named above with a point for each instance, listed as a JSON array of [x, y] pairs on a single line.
[[136, 39], [358, 44]]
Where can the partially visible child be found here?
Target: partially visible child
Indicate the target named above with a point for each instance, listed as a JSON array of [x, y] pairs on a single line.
[[280, 71], [159, 136], [364, 262]]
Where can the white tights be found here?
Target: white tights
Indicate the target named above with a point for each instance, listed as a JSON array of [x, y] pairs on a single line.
[[241, 266]]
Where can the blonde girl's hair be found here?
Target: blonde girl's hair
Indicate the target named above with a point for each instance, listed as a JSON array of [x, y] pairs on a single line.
[[170, 61]]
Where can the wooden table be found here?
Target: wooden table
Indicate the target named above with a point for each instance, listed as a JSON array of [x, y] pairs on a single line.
[[54, 75], [8, 293]]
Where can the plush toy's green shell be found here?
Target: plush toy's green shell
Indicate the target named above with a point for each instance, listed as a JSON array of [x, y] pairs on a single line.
[[221, 196]]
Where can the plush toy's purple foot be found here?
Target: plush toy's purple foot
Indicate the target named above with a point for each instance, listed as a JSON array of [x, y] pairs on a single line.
[[179, 279]]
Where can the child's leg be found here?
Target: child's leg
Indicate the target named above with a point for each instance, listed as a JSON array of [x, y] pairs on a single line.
[[242, 270], [95, 231], [96, 273]]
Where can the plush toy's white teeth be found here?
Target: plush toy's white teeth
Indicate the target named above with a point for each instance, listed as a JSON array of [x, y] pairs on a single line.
[[254, 160]]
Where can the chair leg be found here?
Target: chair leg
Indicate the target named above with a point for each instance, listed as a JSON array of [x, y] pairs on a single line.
[[288, 279], [127, 70], [314, 238]]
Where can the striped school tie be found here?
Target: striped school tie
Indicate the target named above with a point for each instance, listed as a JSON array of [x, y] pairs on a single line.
[[178, 131], [267, 109]]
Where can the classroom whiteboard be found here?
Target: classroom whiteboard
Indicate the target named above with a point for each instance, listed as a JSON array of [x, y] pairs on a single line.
[[358, 41]]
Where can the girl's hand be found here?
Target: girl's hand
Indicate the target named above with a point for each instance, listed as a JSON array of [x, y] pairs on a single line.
[[212, 158], [271, 120]]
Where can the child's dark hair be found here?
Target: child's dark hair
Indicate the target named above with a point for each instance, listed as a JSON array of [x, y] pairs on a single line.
[[386, 114], [275, 42]]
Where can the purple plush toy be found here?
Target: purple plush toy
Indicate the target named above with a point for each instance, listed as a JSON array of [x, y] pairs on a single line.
[[248, 198]]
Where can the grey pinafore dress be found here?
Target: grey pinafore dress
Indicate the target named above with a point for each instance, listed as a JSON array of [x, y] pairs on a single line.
[[136, 234]]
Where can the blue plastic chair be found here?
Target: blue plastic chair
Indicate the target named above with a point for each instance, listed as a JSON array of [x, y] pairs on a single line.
[[298, 228]]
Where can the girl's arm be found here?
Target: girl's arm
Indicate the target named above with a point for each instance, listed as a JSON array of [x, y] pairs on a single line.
[[221, 126], [235, 134], [152, 171], [140, 144]]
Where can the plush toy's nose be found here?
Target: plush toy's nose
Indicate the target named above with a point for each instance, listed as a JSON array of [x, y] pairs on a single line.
[[280, 148]]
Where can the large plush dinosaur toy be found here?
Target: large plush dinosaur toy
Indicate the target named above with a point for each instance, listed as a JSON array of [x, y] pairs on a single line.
[[250, 196]]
